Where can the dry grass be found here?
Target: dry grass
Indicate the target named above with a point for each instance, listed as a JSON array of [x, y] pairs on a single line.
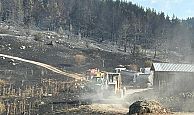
[[79, 59], [2, 108], [2, 82]]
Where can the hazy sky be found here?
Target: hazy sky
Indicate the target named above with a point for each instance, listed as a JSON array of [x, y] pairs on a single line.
[[181, 8]]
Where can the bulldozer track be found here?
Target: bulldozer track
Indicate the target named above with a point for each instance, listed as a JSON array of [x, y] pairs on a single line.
[[47, 66]]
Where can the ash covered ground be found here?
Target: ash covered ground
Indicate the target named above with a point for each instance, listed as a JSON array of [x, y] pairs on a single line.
[[48, 93]]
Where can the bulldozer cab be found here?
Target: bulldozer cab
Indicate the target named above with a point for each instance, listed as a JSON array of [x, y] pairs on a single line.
[[114, 82], [97, 80]]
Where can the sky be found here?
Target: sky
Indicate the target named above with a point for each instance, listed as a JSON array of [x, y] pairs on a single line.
[[180, 8]]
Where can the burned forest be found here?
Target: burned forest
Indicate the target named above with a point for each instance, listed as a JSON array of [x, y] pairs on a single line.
[[101, 57]]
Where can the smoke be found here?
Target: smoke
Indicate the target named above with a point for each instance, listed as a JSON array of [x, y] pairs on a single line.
[[177, 46], [176, 93], [99, 94]]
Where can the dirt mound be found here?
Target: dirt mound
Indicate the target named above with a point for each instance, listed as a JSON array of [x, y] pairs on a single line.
[[144, 107]]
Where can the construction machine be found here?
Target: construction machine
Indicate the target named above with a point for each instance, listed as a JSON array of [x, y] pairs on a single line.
[[114, 84], [96, 80], [106, 83]]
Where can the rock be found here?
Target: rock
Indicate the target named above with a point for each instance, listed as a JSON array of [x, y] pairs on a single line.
[[48, 37], [144, 107], [51, 43], [9, 48], [2, 46], [23, 47], [12, 60]]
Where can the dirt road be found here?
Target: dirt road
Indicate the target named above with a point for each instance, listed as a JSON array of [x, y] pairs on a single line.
[[49, 67]]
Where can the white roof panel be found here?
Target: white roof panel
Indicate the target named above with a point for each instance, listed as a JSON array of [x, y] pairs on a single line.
[[173, 67]]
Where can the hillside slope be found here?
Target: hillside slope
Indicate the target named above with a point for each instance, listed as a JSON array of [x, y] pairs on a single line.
[[49, 67], [59, 51]]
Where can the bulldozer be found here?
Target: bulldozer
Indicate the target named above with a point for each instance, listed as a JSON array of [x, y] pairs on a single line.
[[107, 83], [113, 82]]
